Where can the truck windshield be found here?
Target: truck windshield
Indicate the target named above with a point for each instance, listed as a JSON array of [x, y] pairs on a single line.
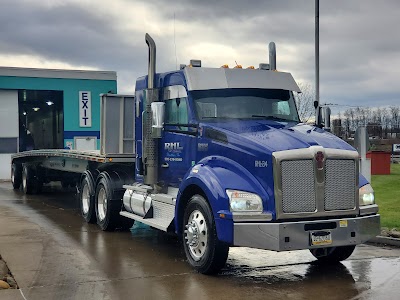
[[226, 104]]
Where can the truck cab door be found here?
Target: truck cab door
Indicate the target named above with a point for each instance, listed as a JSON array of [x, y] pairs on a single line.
[[177, 146]]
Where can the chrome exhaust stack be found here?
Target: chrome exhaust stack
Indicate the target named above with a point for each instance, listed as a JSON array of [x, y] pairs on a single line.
[[272, 56], [149, 144]]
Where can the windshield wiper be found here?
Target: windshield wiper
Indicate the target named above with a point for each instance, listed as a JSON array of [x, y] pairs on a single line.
[[222, 118], [272, 118]]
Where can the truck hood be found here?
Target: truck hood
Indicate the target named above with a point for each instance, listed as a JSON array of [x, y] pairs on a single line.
[[277, 136]]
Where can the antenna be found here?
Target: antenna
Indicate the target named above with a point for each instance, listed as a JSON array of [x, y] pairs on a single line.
[[176, 57]]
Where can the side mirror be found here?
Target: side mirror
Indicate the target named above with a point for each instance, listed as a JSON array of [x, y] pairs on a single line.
[[158, 113], [325, 117]]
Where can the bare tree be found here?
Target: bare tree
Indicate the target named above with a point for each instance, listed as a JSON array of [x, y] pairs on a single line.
[[337, 126], [346, 124], [381, 122], [395, 119], [305, 102], [385, 121]]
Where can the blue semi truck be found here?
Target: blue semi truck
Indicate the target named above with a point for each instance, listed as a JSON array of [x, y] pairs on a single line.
[[219, 157]]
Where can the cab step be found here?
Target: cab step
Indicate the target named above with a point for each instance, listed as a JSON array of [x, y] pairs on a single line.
[[162, 215]]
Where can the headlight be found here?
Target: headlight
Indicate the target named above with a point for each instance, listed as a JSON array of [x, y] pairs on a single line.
[[366, 195], [244, 201]]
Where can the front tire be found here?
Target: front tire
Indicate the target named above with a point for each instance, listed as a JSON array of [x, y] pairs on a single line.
[[203, 250], [332, 254]]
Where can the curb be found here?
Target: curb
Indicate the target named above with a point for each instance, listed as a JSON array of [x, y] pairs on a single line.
[[385, 240]]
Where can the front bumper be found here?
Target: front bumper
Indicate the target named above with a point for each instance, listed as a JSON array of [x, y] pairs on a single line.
[[296, 235]]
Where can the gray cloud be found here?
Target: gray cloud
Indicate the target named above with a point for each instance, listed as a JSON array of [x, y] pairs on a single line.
[[359, 45]]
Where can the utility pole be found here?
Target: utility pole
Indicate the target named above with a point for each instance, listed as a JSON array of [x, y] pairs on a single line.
[[316, 102]]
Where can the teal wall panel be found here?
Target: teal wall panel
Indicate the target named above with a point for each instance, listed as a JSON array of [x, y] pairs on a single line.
[[70, 88]]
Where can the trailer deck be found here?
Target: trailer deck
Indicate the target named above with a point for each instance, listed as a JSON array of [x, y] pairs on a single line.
[[70, 160]]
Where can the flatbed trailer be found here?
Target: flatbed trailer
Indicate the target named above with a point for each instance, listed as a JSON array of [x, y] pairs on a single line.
[[35, 167]]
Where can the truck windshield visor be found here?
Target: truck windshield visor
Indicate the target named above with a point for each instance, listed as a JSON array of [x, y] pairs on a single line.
[[225, 104]]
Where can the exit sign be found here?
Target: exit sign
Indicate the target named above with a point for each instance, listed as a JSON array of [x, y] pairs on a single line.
[[85, 109]]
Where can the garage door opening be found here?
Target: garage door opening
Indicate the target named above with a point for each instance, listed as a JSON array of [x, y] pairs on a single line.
[[41, 119]]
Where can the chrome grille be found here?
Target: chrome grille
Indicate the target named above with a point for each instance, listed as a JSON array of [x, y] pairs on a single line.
[[298, 186], [340, 184]]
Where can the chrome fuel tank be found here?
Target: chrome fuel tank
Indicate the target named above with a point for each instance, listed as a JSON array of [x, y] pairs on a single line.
[[136, 202]]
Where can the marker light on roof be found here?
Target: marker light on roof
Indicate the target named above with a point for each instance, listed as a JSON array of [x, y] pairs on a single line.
[[225, 66], [263, 66], [250, 67], [195, 63], [238, 67]]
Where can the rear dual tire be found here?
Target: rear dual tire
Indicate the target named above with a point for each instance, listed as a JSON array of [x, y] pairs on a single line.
[[108, 206], [16, 175], [86, 199], [30, 181]]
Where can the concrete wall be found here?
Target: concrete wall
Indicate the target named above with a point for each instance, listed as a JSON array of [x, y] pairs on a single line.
[[8, 130]]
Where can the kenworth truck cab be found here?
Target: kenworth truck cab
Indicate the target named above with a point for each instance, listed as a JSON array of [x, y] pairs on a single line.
[[222, 159], [245, 170]]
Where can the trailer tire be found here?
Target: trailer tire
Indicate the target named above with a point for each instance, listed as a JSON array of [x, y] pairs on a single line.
[[203, 250], [108, 206], [16, 175], [332, 254], [39, 186], [86, 199], [28, 179]]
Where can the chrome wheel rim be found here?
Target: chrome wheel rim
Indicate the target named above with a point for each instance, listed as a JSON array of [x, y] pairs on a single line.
[[85, 199], [12, 176], [196, 235], [102, 204], [23, 180]]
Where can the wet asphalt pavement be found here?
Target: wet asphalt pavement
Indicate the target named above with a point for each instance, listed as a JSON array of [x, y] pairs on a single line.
[[54, 254]]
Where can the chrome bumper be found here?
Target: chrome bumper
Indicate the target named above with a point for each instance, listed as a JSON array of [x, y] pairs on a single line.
[[296, 235]]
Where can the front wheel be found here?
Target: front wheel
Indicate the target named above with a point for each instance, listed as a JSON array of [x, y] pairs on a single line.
[[203, 250], [332, 254]]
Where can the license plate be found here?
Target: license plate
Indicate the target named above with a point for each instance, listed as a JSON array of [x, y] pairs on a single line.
[[319, 238]]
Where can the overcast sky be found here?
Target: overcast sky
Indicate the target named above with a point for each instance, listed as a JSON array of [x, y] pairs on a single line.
[[359, 39]]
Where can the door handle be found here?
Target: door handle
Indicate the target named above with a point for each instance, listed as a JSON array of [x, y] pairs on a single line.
[[165, 165]]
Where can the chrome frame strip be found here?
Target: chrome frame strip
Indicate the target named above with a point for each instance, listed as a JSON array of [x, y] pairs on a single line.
[[251, 217], [368, 209]]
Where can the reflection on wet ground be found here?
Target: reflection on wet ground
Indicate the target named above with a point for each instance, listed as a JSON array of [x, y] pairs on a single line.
[[55, 255]]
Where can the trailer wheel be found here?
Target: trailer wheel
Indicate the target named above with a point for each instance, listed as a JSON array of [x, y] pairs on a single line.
[[28, 180], [16, 175], [86, 200], [332, 254], [203, 250], [108, 207]]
